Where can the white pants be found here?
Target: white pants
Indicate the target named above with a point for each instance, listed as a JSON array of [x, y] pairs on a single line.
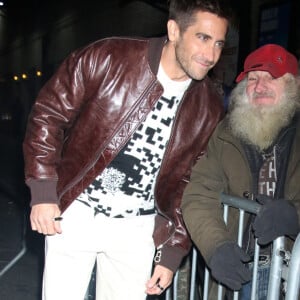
[[122, 247]]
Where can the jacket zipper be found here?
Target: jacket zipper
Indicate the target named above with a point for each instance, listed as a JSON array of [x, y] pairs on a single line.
[[159, 247], [100, 152], [157, 257]]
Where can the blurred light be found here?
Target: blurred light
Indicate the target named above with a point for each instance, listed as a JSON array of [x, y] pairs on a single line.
[[1, 3], [16, 78], [24, 76], [6, 117], [38, 73]]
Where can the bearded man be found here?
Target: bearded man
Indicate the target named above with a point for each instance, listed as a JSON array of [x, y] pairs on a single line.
[[255, 153]]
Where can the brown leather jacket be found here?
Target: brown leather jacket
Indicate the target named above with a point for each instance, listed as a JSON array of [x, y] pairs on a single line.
[[90, 108]]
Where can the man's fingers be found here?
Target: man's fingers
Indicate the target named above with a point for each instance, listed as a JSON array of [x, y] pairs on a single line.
[[161, 288], [45, 218], [57, 226], [48, 227], [157, 289]]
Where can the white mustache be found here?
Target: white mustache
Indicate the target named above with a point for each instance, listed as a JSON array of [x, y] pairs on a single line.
[[256, 95]]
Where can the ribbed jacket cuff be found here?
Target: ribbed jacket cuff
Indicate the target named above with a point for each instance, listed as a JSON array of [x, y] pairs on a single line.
[[43, 191], [171, 257]]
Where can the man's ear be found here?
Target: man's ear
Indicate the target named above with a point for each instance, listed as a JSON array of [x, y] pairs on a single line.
[[173, 30]]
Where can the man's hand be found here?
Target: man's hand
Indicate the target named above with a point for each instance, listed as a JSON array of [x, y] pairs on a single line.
[[42, 218], [162, 277], [227, 265], [277, 217]]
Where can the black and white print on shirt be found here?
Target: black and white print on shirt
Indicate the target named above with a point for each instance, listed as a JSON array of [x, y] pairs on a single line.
[[126, 186]]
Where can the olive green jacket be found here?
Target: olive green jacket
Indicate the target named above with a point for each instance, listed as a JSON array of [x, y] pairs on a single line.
[[225, 169]]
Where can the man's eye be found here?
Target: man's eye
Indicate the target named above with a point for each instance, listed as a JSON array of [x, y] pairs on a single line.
[[203, 37], [220, 45]]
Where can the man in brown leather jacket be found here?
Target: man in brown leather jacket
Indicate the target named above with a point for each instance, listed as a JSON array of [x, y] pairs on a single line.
[[109, 146]]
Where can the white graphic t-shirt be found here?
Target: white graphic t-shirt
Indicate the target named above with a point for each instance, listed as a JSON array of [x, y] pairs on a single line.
[[126, 186]]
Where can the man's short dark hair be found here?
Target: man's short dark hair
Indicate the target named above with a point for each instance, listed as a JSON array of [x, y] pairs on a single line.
[[183, 11]]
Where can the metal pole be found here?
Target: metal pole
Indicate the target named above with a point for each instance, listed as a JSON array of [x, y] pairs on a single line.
[[255, 270], [193, 275], [206, 281], [276, 269], [293, 282], [244, 204]]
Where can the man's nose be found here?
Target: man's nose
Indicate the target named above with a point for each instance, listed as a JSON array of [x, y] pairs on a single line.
[[260, 85]]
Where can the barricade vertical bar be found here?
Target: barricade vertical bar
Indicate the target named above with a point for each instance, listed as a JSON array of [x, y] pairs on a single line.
[[255, 270], [175, 288], [240, 241], [276, 269], [193, 275], [220, 292], [206, 282], [225, 213], [168, 291], [225, 217], [241, 227], [293, 282], [168, 294], [172, 288]]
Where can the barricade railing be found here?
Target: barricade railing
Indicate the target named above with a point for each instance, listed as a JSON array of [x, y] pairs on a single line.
[[284, 270]]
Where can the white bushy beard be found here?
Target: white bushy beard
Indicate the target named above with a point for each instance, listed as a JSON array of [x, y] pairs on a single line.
[[259, 125]]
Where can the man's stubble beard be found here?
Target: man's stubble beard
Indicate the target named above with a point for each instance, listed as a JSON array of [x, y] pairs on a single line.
[[183, 62], [260, 125]]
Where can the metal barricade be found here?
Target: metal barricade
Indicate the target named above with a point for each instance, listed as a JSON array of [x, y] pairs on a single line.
[[284, 271]]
